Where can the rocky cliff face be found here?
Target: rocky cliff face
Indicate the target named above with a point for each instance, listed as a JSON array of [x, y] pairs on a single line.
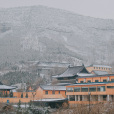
[[47, 34]]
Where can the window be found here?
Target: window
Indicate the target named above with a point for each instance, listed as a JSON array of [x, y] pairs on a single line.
[[110, 87], [94, 67], [99, 67], [80, 97], [104, 80], [76, 89], [46, 92], [101, 88], [92, 89], [96, 80], [59, 92], [70, 89], [89, 81], [102, 68], [53, 92], [81, 81], [84, 89], [104, 97], [112, 79], [72, 97]]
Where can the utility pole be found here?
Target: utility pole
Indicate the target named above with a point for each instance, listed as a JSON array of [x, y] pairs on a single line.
[[89, 100]]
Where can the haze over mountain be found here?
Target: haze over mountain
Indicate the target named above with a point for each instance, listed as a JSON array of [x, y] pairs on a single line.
[[47, 34]]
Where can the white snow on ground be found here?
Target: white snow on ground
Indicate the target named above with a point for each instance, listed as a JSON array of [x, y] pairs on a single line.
[[22, 106], [49, 100]]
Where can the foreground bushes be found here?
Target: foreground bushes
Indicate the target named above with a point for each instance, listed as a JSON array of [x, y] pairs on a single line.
[[101, 108]]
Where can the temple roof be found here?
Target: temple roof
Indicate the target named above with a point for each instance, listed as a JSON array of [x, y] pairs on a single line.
[[71, 71]]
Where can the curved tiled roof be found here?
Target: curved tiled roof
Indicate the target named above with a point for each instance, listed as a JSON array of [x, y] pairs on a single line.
[[71, 71]]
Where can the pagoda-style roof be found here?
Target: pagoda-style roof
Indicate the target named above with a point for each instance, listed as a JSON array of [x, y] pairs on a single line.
[[72, 71]]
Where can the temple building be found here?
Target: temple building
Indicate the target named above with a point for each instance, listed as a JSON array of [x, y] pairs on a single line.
[[69, 76]]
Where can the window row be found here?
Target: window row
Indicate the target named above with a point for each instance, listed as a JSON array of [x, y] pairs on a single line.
[[104, 80], [86, 89], [53, 92], [102, 68]]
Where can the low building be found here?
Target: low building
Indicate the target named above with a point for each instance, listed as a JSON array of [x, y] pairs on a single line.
[[45, 91], [95, 88], [53, 96]]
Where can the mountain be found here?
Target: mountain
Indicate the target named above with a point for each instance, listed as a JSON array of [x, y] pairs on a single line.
[[48, 34]]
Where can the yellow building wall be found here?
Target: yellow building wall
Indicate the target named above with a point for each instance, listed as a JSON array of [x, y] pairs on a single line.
[[15, 100], [90, 69]]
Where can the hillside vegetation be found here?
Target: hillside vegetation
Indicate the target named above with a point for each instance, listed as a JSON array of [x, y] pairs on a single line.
[[47, 34]]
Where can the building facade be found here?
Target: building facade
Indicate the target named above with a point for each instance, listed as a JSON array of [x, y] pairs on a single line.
[[91, 89]]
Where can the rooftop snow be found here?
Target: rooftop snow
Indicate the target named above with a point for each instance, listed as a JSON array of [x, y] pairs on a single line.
[[96, 76], [84, 74], [51, 87], [6, 87], [102, 66], [47, 100], [100, 72]]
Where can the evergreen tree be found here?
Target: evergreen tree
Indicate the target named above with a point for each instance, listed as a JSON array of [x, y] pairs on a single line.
[[26, 95], [22, 95], [30, 105], [19, 105], [11, 94]]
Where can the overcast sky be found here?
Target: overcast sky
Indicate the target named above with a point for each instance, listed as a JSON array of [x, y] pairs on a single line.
[[93, 8]]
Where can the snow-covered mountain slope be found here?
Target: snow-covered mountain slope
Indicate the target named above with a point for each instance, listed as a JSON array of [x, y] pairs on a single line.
[[48, 34]]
